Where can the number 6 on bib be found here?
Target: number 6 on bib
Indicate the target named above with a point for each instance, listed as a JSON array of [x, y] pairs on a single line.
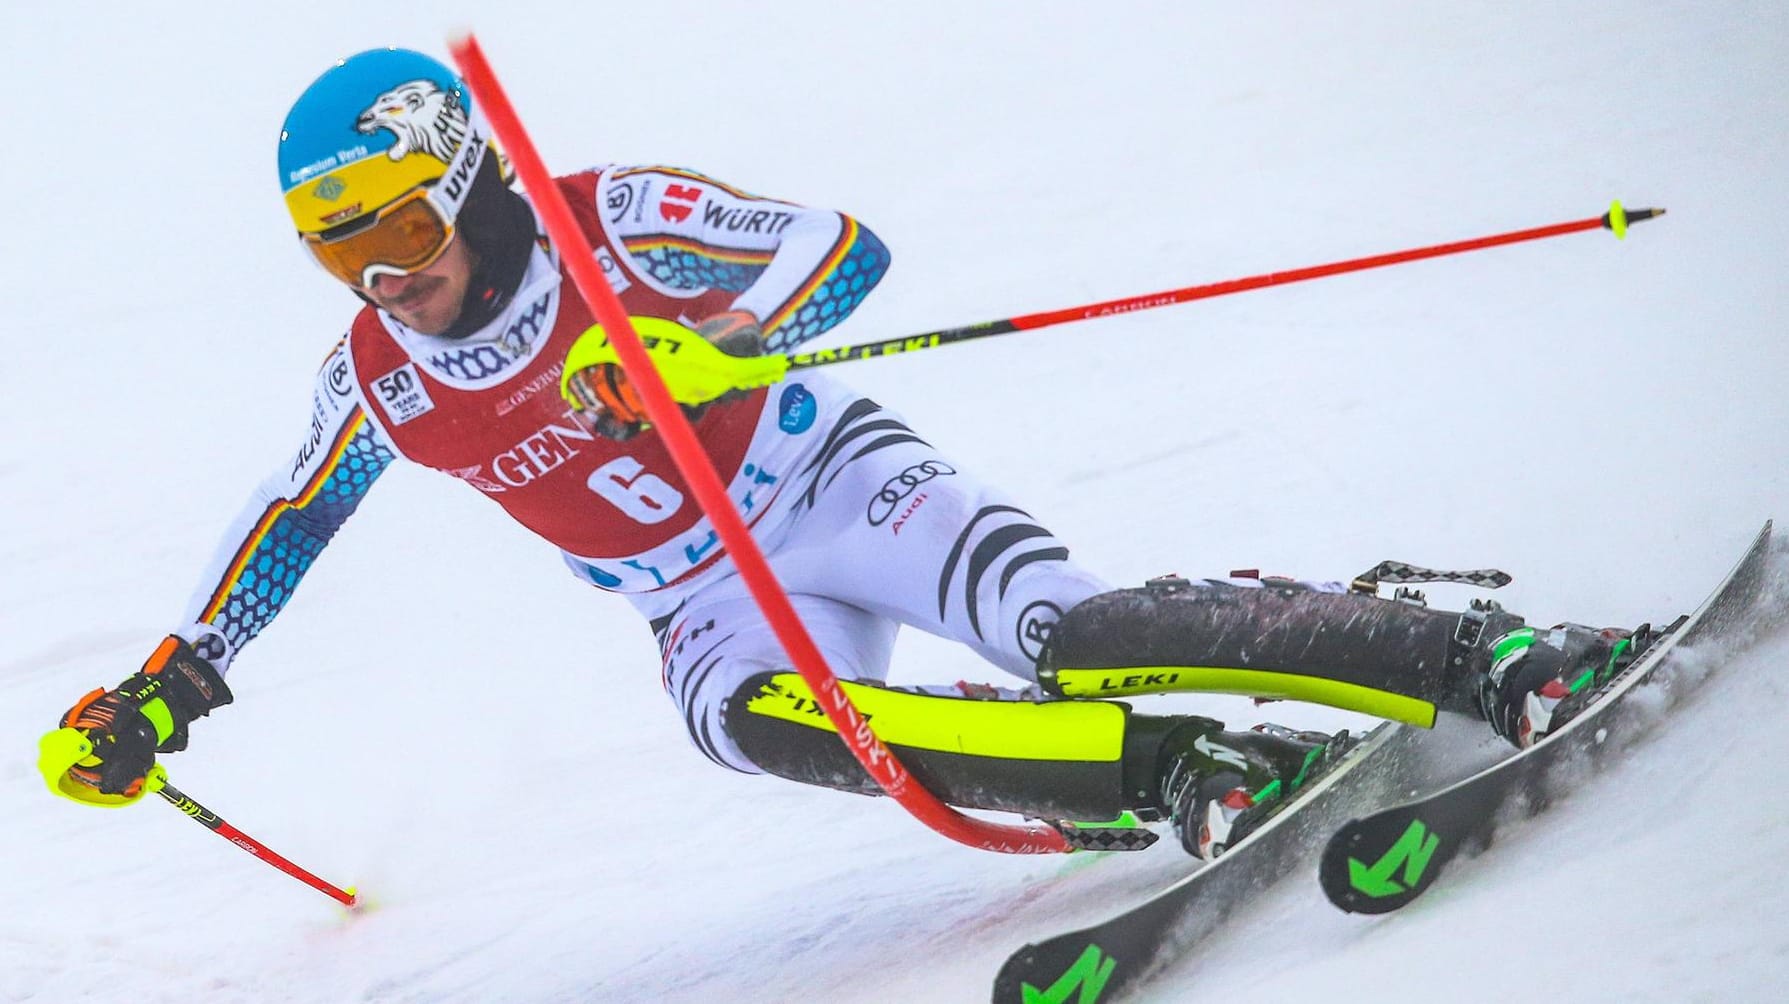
[[644, 497]]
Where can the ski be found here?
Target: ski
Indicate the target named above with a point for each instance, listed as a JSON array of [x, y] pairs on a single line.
[[1097, 963], [1380, 862]]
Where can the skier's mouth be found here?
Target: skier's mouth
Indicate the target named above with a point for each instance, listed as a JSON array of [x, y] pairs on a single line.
[[419, 292]]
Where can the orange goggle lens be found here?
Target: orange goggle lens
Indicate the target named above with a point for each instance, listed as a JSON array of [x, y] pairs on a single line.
[[405, 236]]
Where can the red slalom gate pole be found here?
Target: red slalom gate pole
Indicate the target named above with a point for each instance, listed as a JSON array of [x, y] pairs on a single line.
[[1616, 219], [216, 824], [693, 463]]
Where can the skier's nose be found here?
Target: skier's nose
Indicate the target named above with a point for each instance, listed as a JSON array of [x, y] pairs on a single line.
[[385, 284]]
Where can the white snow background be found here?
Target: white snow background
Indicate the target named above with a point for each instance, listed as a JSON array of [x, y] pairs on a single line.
[[445, 717]]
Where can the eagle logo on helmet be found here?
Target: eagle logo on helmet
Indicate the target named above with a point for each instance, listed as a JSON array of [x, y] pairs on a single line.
[[423, 117]]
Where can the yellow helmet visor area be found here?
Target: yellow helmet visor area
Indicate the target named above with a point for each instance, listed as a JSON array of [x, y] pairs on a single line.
[[378, 216]]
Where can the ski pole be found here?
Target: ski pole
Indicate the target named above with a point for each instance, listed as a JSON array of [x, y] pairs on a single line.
[[1616, 219], [62, 748], [698, 470], [216, 824], [696, 371]]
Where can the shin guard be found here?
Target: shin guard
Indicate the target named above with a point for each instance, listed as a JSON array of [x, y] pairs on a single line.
[[1056, 760], [1380, 657]]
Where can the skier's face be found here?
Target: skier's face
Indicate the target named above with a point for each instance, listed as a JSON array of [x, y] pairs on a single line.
[[427, 300]]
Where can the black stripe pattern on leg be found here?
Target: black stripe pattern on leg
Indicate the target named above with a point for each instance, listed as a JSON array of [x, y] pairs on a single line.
[[862, 418], [691, 685], [1003, 529]]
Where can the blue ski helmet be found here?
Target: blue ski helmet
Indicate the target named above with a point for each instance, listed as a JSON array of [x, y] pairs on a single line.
[[372, 128], [384, 159]]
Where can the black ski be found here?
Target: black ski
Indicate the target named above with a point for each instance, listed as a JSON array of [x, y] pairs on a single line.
[[1097, 963], [1380, 862]]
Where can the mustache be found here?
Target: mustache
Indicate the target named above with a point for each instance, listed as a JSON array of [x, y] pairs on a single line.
[[419, 288]]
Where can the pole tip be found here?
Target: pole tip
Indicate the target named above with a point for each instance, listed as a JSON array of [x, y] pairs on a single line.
[[1618, 218], [462, 44]]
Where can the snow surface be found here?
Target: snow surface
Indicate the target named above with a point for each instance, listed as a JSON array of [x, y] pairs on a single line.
[[446, 718]]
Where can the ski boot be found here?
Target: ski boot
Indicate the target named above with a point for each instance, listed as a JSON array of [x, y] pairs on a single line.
[[1218, 786], [1532, 681]]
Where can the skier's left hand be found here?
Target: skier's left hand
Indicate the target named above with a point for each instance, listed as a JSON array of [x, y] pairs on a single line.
[[735, 332], [613, 406]]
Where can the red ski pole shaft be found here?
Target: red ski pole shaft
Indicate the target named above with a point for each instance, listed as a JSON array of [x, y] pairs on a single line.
[[705, 484], [1615, 219], [216, 824]]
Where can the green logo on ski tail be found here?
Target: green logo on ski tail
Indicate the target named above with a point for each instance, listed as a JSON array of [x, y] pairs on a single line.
[[1412, 852], [1089, 973]]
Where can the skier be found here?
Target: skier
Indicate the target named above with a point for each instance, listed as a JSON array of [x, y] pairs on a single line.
[[455, 361]]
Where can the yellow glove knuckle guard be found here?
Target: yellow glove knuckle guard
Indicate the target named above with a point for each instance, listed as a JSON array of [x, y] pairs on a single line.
[[65, 748], [694, 371]]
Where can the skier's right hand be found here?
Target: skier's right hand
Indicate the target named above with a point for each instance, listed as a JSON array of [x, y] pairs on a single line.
[[104, 753], [608, 401], [610, 406]]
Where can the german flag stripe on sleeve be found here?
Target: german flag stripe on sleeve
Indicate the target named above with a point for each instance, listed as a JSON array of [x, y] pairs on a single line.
[[828, 268], [318, 479], [733, 256]]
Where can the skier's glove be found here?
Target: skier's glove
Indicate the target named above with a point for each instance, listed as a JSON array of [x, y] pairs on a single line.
[[105, 750], [608, 401], [613, 407], [738, 334], [735, 332]]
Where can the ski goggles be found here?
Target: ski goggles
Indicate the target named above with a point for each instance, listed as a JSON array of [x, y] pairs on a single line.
[[406, 235]]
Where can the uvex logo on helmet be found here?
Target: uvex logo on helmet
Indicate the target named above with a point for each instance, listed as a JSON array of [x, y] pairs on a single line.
[[428, 120]]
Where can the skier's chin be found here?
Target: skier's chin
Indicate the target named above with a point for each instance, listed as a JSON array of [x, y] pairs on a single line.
[[427, 326]]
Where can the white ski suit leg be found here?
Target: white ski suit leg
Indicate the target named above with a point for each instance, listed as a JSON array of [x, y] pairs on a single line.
[[886, 532]]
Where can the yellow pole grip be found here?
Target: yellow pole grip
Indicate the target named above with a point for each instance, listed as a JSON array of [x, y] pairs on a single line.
[[64, 748], [693, 369]]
